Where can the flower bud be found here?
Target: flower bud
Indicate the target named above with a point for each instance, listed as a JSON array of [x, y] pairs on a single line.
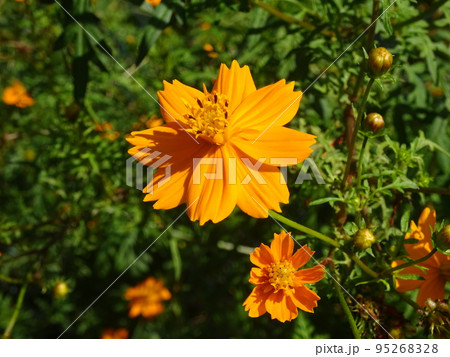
[[363, 239], [443, 239], [380, 60], [60, 289], [374, 122]]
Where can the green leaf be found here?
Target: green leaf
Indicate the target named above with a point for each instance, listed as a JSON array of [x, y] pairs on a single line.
[[159, 21], [176, 259]]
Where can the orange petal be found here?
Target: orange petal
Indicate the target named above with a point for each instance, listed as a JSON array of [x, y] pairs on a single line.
[[255, 303], [211, 196], [236, 83], [177, 184], [403, 285], [135, 309], [271, 106], [151, 310], [311, 275], [262, 256], [305, 299], [281, 307], [174, 100], [282, 246], [427, 219], [257, 277], [261, 189], [277, 143], [169, 140], [433, 287], [301, 257]]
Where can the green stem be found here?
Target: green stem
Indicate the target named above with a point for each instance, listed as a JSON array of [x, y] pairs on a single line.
[[439, 190], [10, 280], [12, 321], [325, 239], [405, 265], [360, 161], [290, 19], [358, 176], [344, 305], [355, 132], [304, 229]]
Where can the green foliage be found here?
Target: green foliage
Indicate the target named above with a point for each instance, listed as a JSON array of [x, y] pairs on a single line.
[[68, 215]]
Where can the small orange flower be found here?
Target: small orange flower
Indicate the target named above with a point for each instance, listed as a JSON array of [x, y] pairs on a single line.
[[145, 298], [153, 2], [108, 129], [17, 95], [121, 333], [437, 267], [153, 122], [208, 47], [280, 287]]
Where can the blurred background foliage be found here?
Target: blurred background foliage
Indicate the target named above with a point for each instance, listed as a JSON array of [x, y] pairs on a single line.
[[68, 215]]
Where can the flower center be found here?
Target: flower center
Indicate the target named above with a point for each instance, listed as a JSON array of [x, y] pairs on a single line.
[[210, 118], [281, 275], [444, 270]]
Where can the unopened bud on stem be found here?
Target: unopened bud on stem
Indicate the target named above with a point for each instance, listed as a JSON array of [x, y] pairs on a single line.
[[380, 60], [374, 122], [364, 239]]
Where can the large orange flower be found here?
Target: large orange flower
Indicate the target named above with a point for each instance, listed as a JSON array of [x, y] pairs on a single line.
[[437, 267], [225, 146], [280, 288], [146, 298]]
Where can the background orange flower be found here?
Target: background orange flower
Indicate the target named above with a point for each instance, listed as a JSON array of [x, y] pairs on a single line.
[[17, 95], [437, 268], [281, 289], [110, 333], [146, 298]]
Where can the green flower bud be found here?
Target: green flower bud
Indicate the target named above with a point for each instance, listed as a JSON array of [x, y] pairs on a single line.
[[380, 60], [364, 239], [443, 239], [374, 122]]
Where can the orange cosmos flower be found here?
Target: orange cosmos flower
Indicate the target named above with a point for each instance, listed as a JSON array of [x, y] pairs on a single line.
[[121, 333], [437, 267], [17, 95], [280, 288], [145, 298], [224, 146], [153, 2]]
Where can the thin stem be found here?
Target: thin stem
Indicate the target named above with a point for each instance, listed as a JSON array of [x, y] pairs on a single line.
[[439, 190], [355, 132], [12, 321], [405, 265], [359, 174], [347, 312], [304, 229], [360, 161], [10, 280], [290, 19], [325, 239]]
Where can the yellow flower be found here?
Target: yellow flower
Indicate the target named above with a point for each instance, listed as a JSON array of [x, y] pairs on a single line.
[[145, 298], [17, 95], [153, 2], [108, 131], [121, 333], [280, 287], [437, 267], [239, 139]]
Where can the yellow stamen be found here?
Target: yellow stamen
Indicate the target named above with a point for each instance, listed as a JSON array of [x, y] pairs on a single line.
[[281, 275], [209, 118]]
